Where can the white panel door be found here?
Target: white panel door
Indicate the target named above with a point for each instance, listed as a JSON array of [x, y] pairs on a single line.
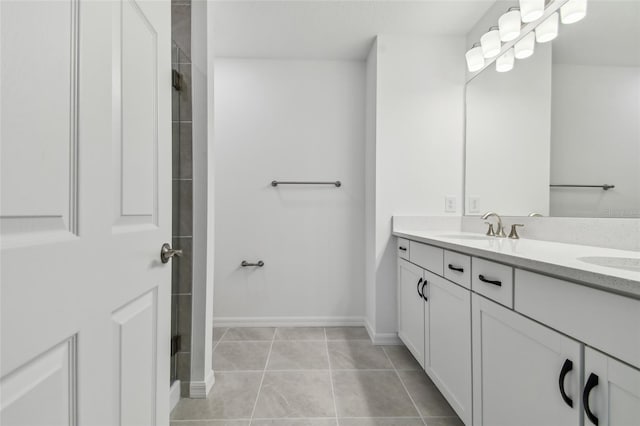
[[411, 308], [448, 327], [520, 369], [85, 208], [612, 389]]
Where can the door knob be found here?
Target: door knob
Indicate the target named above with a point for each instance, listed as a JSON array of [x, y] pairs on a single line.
[[166, 253]]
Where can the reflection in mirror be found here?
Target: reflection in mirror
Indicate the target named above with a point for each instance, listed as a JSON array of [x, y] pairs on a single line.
[[546, 136]]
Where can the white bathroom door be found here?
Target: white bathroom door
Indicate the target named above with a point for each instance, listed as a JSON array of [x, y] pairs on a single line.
[[85, 207]]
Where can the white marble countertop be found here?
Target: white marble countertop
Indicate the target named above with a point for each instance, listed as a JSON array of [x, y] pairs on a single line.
[[550, 258]]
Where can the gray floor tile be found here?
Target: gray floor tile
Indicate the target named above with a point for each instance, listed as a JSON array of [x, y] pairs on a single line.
[[357, 354], [294, 422], [218, 332], [210, 423], [295, 394], [298, 355], [300, 333], [443, 421], [427, 397], [238, 356], [371, 394], [382, 422], [401, 358], [232, 397], [249, 333], [347, 333]]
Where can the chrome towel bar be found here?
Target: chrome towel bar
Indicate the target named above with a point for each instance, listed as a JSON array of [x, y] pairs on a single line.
[[337, 183], [605, 187]]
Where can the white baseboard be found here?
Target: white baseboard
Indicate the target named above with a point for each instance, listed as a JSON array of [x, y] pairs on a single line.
[[382, 338], [200, 389], [287, 321], [174, 394]]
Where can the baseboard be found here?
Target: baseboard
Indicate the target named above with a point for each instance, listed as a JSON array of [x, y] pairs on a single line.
[[174, 395], [200, 389], [382, 338], [287, 321]]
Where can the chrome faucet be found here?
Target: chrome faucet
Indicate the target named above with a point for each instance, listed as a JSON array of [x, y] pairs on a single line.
[[499, 232]]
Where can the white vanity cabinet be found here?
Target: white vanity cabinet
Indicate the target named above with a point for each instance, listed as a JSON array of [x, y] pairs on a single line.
[[519, 367], [411, 307]]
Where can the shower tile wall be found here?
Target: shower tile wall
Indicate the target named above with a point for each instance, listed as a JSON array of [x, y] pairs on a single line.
[[182, 193]]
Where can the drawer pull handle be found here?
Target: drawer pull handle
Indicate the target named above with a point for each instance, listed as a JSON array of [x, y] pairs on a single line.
[[418, 288], [423, 288], [566, 368], [456, 268], [494, 282], [592, 382], [402, 248]]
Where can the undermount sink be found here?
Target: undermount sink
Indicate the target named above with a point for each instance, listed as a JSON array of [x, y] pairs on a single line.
[[465, 237], [626, 263]]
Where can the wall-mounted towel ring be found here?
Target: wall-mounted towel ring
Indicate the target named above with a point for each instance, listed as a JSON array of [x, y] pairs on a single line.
[[245, 264]]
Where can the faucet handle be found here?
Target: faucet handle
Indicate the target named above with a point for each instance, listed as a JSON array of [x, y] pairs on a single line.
[[514, 231], [490, 231]]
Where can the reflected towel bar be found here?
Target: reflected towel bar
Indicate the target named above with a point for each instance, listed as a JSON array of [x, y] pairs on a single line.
[[604, 187], [337, 183]]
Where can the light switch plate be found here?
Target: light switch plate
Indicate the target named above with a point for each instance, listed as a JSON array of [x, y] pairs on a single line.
[[474, 204], [450, 204]]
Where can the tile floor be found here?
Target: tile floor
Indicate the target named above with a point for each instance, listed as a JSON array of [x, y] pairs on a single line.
[[319, 376]]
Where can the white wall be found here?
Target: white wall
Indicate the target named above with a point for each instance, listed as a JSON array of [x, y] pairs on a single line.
[[289, 120], [596, 140], [418, 148]]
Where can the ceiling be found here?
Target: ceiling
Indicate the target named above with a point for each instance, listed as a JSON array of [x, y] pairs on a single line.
[[332, 29]]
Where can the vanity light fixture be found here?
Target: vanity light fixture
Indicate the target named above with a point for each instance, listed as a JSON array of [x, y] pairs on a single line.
[[490, 42], [475, 58], [573, 11], [548, 29], [509, 24], [531, 10], [525, 46], [505, 62]]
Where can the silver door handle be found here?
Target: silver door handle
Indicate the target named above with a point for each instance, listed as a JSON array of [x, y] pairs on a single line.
[[166, 253], [244, 264]]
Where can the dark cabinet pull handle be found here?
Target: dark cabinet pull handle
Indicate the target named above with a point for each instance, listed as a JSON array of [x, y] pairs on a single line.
[[418, 288], [566, 367], [484, 280], [592, 382], [423, 286], [402, 248], [456, 268]]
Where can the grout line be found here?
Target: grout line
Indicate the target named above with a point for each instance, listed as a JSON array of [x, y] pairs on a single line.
[[333, 393], [264, 373], [405, 387], [218, 342]]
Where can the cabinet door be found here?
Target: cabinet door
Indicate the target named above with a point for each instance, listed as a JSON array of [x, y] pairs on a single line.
[[448, 333], [615, 399], [411, 308], [518, 369]]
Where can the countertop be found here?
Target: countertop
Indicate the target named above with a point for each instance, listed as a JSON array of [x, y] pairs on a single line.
[[559, 260]]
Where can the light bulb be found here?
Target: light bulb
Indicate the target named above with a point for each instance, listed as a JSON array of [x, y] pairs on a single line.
[[573, 11], [525, 46], [509, 25], [531, 10], [490, 42], [548, 29], [475, 58], [505, 62]]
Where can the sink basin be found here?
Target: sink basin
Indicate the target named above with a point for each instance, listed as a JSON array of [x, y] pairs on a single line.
[[626, 263], [465, 237]]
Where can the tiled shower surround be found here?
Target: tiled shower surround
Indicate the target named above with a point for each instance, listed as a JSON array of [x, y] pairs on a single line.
[[182, 180]]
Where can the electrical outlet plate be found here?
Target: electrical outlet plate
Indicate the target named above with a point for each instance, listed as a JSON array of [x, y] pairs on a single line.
[[450, 204], [474, 204]]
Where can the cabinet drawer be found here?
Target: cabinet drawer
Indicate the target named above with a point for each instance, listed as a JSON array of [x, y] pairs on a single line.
[[493, 280], [605, 321], [402, 247], [426, 256], [457, 268]]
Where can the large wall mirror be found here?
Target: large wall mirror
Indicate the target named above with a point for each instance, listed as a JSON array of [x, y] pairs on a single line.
[[559, 134]]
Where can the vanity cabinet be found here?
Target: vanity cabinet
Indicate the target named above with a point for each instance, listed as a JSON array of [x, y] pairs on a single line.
[[411, 308], [519, 369]]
